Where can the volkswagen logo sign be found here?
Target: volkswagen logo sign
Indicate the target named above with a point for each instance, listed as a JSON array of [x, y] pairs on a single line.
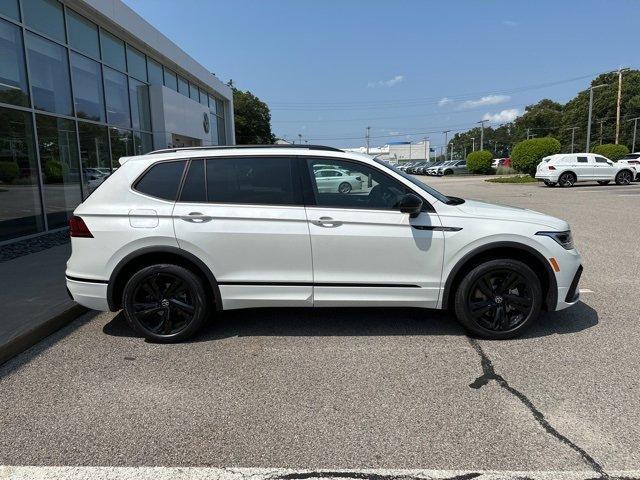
[[205, 122]]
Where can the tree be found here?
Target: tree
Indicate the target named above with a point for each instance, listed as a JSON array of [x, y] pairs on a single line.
[[252, 119], [611, 151], [527, 154], [480, 162]]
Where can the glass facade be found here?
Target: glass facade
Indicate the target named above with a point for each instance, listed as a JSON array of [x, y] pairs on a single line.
[[74, 98]]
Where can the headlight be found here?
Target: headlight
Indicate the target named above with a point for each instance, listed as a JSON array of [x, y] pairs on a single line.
[[563, 238]]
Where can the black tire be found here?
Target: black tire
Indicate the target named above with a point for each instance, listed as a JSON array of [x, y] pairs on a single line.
[[344, 187], [625, 177], [549, 184], [165, 303], [567, 179], [604, 182], [510, 311], [448, 172]]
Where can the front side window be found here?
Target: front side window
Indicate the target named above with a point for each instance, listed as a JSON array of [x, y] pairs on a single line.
[[259, 181], [162, 180], [601, 160], [346, 184], [194, 188]]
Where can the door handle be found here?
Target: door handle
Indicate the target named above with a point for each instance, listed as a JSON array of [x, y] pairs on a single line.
[[196, 217], [326, 222]]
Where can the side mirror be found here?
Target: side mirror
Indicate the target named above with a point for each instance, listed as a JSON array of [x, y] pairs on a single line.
[[610, 162], [411, 204]]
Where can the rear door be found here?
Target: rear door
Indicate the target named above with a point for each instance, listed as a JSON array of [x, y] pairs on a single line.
[[244, 217], [584, 166], [365, 251]]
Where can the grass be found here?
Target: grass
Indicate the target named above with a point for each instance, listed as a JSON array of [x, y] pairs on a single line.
[[513, 179]]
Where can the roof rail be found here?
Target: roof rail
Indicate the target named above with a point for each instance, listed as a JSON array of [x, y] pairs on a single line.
[[238, 147]]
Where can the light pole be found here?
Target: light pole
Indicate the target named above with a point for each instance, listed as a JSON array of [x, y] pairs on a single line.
[[473, 141], [446, 142], [591, 89], [620, 70], [573, 136], [482, 122]]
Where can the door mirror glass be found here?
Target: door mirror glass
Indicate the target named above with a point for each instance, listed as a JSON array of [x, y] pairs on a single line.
[[411, 204], [610, 162]]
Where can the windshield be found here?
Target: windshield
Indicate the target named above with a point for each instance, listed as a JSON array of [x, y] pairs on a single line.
[[432, 191]]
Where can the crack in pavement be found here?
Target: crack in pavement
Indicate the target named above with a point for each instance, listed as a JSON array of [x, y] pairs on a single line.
[[364, 476], [489, 373]]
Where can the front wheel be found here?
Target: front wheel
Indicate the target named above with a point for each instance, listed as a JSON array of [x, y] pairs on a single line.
[[344, 187], [624, 178], [448, 172], [604, 182], [165, 303], [498, 299]]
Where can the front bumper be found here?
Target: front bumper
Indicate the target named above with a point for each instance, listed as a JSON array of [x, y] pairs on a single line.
[[88, 293]]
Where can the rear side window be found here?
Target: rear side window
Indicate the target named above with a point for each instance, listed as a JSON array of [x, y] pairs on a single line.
[[583, 160], [162, 180], [260, 181]]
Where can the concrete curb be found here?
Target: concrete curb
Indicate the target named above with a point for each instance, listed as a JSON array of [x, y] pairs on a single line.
[[28, 339]]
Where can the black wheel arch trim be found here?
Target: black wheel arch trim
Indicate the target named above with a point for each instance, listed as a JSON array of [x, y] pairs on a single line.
[[113, 304], [551, 300]]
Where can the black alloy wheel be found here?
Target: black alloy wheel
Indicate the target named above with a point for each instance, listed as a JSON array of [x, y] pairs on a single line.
[[624, 178], [344, 187], [567, 180], [165, 303], [498, 299]]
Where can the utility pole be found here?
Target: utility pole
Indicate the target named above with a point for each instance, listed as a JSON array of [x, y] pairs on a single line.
[[473, 140], [528, 133], [601, 122], [482, 122], [620, 70], [573, 136], [446, 142], [368, 137], [591, 89]]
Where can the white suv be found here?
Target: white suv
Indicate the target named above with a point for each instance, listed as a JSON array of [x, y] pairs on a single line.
[[565, 169], [173, 236]]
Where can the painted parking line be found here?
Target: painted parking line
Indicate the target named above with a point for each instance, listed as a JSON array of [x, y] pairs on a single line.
[[197, 473], [629, 195], [585, 290]]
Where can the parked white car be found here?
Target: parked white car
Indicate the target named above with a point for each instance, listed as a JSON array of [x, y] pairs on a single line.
[[337, 180], [176, 235], [633, 161], [566, 169]]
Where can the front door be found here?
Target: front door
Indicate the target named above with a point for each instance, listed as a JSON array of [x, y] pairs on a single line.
[[365, 251], [603, 170], [244, 217]]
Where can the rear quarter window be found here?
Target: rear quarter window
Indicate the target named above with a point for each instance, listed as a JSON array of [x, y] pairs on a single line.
[[161, 180]]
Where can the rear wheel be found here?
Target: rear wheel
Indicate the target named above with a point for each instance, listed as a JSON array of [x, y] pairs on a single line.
[[498, 299], [624, 178], [344, 187], [448, 172], [567, 180], [604, 182], [165, 303]]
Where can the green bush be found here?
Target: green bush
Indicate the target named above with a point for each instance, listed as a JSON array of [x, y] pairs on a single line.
[[527, 154], [9, 171], [480, 162], [611, 151], [55, 171]]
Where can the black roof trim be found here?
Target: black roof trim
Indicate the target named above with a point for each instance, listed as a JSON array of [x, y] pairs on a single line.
[[238, 147]]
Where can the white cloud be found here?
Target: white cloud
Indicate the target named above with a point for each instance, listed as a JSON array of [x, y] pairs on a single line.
[[503, 116], [510, 23], [392, 82], [444, 101], [484, 101]]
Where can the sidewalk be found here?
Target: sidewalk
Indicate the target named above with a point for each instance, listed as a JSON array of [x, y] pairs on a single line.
[[33, 298]]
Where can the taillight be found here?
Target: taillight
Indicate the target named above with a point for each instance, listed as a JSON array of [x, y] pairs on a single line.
[[551, 167], [77, 228]]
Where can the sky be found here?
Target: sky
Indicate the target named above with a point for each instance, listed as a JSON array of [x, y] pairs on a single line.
[[407, 69]]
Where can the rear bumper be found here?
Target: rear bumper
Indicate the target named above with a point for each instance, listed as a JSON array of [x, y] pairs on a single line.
[[546, 177], [88, 293]]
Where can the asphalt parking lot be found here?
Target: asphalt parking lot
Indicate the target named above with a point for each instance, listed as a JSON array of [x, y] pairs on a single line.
[[357, 388]]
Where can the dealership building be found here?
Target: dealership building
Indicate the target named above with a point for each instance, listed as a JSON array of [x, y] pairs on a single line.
[[83, 83]]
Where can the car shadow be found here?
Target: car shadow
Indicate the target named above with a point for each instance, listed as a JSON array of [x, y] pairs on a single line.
[[320, 322]]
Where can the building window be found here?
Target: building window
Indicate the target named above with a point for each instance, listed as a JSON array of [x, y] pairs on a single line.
[[193, 92], [13, 74], [121, 145], [183, 86], [170, 80], [21, 213], [117, 96], [94, 155], [45, 16], [58, 147], [113, 51], [204, 98], [83, 34], [222, 136], [140, 111], [155, 72], [142, 142], [136, 63], [87, 88], [10, 9], [49, 69], [214, 129]]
